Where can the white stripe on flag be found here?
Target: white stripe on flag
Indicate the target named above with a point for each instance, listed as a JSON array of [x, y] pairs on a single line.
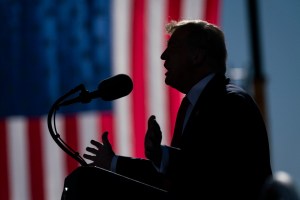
[[193, 9], [121, 64], [157, 91], [18, 159]]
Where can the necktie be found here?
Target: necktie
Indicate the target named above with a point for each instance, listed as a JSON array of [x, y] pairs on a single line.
[[179, 122]]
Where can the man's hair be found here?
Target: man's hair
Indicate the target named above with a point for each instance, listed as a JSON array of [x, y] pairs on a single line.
[[207, 36]]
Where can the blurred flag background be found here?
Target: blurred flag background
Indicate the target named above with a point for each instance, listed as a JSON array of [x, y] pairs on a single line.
[[49, 47]]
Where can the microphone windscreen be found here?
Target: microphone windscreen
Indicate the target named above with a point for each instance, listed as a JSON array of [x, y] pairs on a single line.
[[115, 87]]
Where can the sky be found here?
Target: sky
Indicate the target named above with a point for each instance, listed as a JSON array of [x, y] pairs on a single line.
[[279, 31]]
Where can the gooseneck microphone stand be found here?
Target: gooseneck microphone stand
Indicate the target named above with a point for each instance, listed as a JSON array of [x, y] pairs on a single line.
[[52, 125]]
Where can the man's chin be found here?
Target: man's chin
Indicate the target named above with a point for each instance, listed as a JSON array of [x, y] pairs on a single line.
[[169, 83]]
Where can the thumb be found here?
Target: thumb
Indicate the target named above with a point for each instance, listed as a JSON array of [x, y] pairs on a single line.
[[105, 139]]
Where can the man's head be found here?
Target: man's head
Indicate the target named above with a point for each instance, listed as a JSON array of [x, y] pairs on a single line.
[[195, 49]]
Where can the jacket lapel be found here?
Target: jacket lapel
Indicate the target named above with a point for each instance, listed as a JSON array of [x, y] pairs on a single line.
[[208, 98]]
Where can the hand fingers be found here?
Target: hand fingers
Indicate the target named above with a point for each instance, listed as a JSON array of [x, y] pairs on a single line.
[[151, 120], [95, 143], [105, 139], [152, 123], [152, 117], [153, 128], [92, 150], [89, 157], [99, 146], [101, 154]]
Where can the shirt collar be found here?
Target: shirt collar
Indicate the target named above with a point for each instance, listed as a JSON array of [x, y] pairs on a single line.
[[197, 89]]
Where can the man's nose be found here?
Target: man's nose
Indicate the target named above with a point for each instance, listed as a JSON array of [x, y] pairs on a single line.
[[164, 55]]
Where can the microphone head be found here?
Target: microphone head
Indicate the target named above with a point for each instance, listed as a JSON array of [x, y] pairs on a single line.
[[115, 87]]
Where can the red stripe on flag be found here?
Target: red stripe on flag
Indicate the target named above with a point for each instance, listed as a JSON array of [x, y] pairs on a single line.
[[4, 173], [212, 12], [35, 159], [106, 121], [71, 134], [173, 12], [174, 97], [138, 76]]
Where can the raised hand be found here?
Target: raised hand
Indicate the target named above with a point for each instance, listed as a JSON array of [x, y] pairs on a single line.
[[152, 142], [102, 154]]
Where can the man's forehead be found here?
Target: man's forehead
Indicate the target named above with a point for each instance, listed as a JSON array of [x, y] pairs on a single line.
[[178, 36]]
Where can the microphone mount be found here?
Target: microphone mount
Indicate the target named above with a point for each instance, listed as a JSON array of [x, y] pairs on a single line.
[[52, 127], [84, 97]]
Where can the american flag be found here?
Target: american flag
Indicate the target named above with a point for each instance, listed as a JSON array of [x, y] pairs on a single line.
[[49, 47]]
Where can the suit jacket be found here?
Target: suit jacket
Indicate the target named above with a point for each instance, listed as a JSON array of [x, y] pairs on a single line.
[[224, 149]]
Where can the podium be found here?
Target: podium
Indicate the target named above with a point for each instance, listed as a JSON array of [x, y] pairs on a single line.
[[93, 183]]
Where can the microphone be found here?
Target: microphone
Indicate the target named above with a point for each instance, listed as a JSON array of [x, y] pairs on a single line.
[[109, 89]]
